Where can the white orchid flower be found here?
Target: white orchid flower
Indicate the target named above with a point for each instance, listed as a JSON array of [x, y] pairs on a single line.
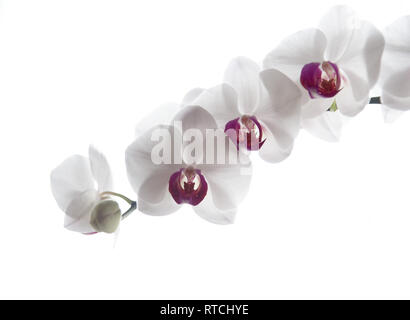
[[335, 65], [395, 71], [259, 111], [214, 190], [82, 186]]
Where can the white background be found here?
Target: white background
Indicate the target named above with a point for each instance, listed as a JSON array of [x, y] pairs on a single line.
[[332, 221]]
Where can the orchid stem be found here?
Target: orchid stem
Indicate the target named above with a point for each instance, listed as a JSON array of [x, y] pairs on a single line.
[[129, 201], [375, 100], [133, 204], [130, 210]]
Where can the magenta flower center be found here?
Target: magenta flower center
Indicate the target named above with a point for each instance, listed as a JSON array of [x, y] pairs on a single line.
[[188, 185], [321, 79], [245, 131]]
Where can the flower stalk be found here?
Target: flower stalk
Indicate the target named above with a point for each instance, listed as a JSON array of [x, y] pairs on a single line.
[[375, 100], [132, 203]]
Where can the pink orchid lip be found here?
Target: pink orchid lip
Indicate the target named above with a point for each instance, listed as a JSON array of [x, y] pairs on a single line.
[[188, 185], [246, 131], [321, 79]]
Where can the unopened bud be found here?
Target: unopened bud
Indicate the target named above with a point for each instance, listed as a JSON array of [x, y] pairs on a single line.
[[105, 216]]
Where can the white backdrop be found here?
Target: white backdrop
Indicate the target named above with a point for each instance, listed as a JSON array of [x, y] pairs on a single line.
[[332, 221]]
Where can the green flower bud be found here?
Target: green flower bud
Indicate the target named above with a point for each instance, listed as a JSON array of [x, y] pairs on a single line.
[[105, 216]]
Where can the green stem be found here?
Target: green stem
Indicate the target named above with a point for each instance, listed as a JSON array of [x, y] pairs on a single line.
[[133, 204], [130, 210], [129, 201], [375, 100]]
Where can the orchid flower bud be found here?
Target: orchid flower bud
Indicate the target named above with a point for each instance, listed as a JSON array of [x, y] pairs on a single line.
[[105, 216]]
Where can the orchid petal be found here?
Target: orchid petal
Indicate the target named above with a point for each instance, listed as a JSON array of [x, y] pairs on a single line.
[[154, 197], [313, 108], [228, 179], [391, 115], [395, 103], [328, 126], [221, 102], [140, 158], [354, 96], [396, 54], [338, 25], [195, 117], [285, 95], [279, 139], [191, 96], [161, 115], [281, 115], [396, 90], [70, 179], [229, 184], [295, 51], [195, 121], [243, 75], [100, 169], [208, 211], [364, 52], [274, 149]]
